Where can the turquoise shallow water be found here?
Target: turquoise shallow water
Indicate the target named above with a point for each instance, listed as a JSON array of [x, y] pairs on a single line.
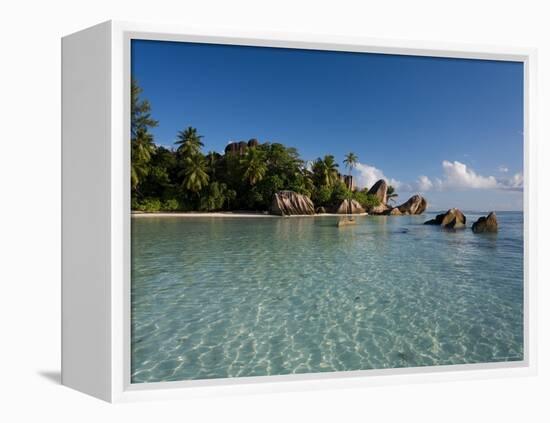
[[230, 297]]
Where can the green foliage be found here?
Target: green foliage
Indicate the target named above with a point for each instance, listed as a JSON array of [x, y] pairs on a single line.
[[254, 165], [189, 142], [170, 205], [391, 194], [351, 161], [340, 193], [322, 196], [194, 173], [149, 205], [325, 171], [216, 196], [142, 146], [183, 178], [366, 200]]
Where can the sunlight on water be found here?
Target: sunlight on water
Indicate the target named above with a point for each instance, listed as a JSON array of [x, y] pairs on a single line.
[[229, 297]]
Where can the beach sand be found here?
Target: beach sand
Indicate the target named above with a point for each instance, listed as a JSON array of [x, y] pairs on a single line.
[[233, 214]]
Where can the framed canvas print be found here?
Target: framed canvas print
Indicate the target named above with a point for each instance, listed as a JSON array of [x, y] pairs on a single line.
[[253, 212]]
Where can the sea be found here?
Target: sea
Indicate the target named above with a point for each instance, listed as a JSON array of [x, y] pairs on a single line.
[[225, 297]]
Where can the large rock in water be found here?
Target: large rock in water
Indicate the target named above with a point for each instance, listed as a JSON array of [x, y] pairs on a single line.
[[486, 224], [344, 207], [452, 219], [380, 191], [414, 205], [286, 203]]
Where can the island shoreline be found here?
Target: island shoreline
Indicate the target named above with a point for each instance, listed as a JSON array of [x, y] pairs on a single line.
[[233, 215]]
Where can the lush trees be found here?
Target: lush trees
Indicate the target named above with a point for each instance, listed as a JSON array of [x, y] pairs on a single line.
[[254, 166], [184, 178], [142, 146], [194, 173], [325, 171]]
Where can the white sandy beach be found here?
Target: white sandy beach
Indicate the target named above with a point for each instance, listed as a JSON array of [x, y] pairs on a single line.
[[233, 214]]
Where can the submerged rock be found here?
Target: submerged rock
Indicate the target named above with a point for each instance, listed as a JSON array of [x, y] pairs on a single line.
[[452, 219], [286, 203], [380, 191], [414, 205], [486, 224], [344, 207]]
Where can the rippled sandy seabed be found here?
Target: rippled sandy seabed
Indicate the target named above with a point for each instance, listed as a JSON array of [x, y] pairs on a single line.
[[229, 297]]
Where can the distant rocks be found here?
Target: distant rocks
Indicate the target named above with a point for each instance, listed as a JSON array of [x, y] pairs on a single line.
[[452, 219], [345, 208], [239, 148], [380, 191], [320, 210], [414, 205], [287, 203], [486, 224]]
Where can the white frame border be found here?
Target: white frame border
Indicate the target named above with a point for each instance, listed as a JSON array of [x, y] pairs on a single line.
[[122, 389]]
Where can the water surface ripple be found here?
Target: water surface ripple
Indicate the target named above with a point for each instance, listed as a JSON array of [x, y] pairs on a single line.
[[229, 297]]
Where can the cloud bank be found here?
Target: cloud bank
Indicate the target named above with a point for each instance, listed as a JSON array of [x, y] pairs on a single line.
[[455, 176]]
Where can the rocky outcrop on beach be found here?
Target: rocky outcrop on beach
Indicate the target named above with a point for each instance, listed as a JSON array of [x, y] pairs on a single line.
[[414, 205], [348, 181], [394, 212], [320, 210], [380, 209], [344, 207], [486, 224], [380, 191], [287, 203], [452, 219]]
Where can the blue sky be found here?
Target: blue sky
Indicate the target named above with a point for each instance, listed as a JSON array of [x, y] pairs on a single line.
[[450, 129]]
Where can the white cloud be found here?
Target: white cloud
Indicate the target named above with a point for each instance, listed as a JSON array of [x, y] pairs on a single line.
[[503, 169], [424, 183], [458, 176], [368, 175], [515, 183]]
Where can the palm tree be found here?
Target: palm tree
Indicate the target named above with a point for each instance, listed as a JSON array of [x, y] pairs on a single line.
[[195, 177], [255, 166], [142, 145], [391, 194], [142, 149], [350, 161], [326, 170], [211, 161], [189, 142]]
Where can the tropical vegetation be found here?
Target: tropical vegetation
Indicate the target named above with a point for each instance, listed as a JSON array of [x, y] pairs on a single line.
[[184, 178]]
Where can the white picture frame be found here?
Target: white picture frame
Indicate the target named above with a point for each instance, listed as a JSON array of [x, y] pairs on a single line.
[[96, 227]]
